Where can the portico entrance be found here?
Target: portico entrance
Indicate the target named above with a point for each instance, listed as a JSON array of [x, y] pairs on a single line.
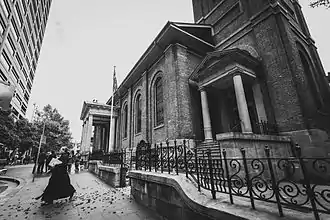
[[230, 96], [96, 132]]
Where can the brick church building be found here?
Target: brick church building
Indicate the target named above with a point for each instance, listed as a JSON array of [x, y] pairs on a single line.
[[246, 70]]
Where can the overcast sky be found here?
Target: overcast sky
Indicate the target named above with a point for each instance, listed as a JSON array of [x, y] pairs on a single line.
[[84, 39]]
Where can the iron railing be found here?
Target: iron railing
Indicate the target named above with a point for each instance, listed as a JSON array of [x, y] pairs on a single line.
[[258, 127], [296, 183], [264, 127]]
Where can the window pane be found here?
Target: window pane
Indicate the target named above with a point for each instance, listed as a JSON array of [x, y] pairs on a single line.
[[125, 121], [159, 102], [138, 114]]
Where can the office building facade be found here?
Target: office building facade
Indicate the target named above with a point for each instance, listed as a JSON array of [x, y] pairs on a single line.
[[22, 28]]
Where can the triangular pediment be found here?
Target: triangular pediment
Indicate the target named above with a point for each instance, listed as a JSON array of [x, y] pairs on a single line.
[[220, 60]]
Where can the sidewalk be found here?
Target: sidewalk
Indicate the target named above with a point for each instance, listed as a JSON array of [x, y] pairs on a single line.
[[93, 200]]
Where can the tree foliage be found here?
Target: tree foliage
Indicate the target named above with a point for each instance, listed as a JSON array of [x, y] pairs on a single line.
[[8, 135], [25, 135], [318, 3], [57, 129]]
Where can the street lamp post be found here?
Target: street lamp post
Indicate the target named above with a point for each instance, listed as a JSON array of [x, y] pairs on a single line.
[[40, 142]]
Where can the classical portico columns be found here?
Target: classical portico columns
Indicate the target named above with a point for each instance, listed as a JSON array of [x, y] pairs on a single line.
[[112, 128], [258, 99], [242, 104], [206, 116], [97, 137], [89, 131]]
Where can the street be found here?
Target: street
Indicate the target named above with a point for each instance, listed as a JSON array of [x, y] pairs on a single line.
[[93, 200]]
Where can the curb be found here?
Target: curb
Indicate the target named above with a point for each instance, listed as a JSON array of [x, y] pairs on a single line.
[[11, 192]]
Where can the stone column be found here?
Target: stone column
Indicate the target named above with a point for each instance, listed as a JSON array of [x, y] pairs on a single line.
[[258, 99], [112, 128], [102, 139], [97, 137], [83, 136], [241, 104], [94, 138], [206, 116], [89, 130]]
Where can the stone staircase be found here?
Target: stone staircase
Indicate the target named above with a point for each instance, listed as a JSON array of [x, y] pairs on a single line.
[[203, 147]]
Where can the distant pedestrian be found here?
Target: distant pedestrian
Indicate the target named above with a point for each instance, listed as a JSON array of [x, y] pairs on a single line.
[[70, 161], [35, 162], [77, 161], [41, 162]]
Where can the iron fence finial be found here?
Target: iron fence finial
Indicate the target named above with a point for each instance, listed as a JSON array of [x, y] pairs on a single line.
[[298, 150]]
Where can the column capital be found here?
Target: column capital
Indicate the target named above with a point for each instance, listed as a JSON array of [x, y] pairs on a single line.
[[201, 89], [237, 73]]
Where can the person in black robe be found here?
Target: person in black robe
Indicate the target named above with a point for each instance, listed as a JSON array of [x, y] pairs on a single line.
[[59, 185]]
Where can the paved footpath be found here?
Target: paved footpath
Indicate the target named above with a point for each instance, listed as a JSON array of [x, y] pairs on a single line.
[[93, 200]]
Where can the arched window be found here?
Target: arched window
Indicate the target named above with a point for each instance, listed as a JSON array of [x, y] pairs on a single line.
[[125, 120], [138, 113], [310, 79], [159, 106]]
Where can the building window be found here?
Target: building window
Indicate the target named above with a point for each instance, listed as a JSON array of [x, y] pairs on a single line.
[[22, 86], [24, 6], [26, 97], [27, 61], [15, 112], [310, 79], [125, 120], [5, 60], [23, 108], [10, 45], [2, 25], [31, 76], [30, 50], [19, 60], [34, 65], [34, 3], [25, 74], [5, 7], [138, 114], [26, 36], [159, 107], [14, 27], [18, 16], [29, 24], [29, 86], [15, 74], [19, 99], [3, 76], [22, 47]]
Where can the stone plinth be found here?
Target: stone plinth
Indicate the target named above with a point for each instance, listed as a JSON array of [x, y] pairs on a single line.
[[254, 145], [112, 175]]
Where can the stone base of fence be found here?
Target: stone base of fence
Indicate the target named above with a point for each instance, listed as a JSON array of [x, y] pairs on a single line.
[[112, 175], [254, 144], [175, 197]]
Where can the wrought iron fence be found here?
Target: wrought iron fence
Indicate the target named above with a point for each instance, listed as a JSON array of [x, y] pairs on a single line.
[[264, 127], [297, 183], [258, 127]]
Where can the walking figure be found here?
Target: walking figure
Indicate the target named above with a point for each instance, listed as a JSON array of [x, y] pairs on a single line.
[[59, 185]]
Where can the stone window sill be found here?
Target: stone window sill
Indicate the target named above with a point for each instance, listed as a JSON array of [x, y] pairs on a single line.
[[138, 134]]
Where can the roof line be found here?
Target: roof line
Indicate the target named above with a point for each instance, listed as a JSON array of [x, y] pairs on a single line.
[[183, 24], [197, 38], [145, 53], [159, 36]]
